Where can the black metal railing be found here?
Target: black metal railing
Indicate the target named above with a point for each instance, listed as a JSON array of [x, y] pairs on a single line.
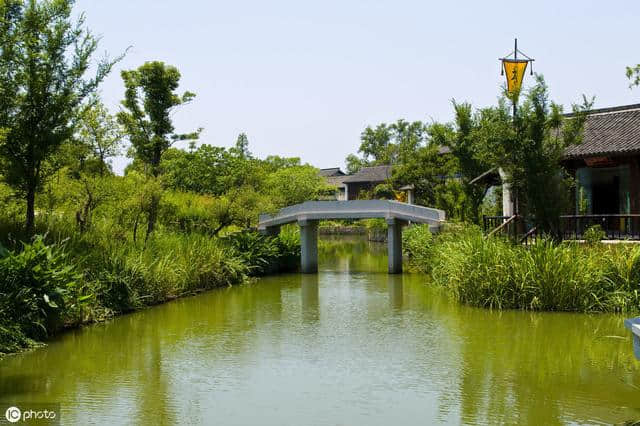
[[530, 236], [506, 226], [573, 227], [615, 226], [489, 223]]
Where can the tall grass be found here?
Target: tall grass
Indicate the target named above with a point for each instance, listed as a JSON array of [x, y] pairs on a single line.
[[494, 273], [110, 273]]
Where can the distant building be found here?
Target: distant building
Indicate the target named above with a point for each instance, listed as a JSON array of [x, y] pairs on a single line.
[[366, 179], [353, 187], [335, 177]]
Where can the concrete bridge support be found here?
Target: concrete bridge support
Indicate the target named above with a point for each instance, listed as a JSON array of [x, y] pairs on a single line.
[[394, 245], [309, 246]]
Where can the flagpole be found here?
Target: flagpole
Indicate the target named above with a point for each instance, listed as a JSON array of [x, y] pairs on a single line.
[[515, 98], [516, 209]]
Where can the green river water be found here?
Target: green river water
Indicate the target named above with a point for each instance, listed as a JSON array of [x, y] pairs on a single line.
[[349, 346]]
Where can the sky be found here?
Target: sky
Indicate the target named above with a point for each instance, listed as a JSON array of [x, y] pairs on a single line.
[[304, 78]]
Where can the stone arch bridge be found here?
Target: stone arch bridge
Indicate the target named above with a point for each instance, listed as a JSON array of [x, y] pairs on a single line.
[[309, 213]]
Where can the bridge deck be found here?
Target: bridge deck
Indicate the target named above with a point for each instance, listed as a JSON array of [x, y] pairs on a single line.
[[359, 209]]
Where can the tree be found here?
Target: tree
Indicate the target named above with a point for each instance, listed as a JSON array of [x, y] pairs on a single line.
[[43, 61], [242, 146], [293, 185], [466, 147], [100, 133], [434, 177], [387, 144], [211, 169], [150, 99], [633, 74], [530, 148]]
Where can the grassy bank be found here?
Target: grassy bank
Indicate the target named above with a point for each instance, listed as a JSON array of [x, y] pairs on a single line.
[[63, 278], [493, 273]]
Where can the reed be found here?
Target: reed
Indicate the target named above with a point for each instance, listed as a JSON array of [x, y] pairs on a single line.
[[64, 278], [494, 273]]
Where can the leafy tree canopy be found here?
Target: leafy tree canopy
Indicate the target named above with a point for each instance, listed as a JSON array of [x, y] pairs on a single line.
[[44, 58]]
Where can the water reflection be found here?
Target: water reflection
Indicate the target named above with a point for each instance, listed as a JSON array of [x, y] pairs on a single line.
[[394, 284], [351, 345], [310, 295]]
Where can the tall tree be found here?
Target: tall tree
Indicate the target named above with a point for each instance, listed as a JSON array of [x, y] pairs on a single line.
[[100, 133], [150, 98], [530, 148], [242, 146], [44, 57], [387, 144], [467, 148]]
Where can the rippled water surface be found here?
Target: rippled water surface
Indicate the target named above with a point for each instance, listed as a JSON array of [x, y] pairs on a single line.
[[349, 346]]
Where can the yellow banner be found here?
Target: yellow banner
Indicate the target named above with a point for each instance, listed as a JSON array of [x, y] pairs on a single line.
[[514, 70]]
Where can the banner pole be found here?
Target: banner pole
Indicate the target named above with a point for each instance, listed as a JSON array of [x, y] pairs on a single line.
[[515, 55]]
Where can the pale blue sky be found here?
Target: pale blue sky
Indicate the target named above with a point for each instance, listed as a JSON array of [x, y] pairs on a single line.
[[305, 78]]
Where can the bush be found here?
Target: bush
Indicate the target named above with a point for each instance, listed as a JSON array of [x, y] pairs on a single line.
[[266, 254], [38, 287], [417, 243], [594, 235]]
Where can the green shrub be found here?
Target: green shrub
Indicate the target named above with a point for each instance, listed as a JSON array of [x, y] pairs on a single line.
[[594, 234], [266, 254], [38, 286], [417, 243], [384, 191], [375, 225]]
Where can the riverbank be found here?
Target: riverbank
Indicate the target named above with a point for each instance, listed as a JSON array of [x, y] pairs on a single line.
[[319, 337], [494, 273], [64, 279]]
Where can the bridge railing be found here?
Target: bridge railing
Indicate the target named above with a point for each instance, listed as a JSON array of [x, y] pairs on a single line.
[[354, 209]]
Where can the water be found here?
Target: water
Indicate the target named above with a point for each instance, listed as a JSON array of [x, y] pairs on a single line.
[[350, 346]]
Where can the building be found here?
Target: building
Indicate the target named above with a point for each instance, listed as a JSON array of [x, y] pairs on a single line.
[[606, 164], [366, 179], [335, 177], [606, 168]]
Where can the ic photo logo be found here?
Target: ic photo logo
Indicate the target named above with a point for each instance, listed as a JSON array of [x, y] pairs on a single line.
[[32, 413], [13, 414]]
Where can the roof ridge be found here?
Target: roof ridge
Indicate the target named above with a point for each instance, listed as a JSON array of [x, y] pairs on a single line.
[[609, 110]]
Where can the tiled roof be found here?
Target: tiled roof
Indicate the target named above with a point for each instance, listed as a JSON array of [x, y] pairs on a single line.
[[333, 171], [370, 174], [336, 180], [609, 131]]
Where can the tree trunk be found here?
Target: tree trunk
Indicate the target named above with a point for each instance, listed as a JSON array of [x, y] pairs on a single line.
[[31, 216], [153, 214], [135, 227]]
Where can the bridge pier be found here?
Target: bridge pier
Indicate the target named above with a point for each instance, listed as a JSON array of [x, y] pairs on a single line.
[[394, 245], [308, 246]]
